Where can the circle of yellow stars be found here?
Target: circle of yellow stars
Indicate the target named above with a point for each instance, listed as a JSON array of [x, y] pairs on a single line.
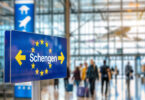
[[37, 71]]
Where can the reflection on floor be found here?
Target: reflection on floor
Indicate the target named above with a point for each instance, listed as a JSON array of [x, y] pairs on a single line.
[[116, 92]]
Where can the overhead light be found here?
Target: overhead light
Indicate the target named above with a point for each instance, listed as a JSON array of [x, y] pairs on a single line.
[[128, 17], [129, 10], [131, 4]]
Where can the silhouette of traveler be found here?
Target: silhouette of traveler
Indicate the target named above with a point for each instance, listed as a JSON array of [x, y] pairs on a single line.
[[128, 73], [77, 76], [56, 83], [116, 74], [143, 72], [84, 73], [92, 75], [67, 78], [81, 66], [104, 77]]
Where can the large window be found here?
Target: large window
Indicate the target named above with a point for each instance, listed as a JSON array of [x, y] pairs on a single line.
[[106, 28]]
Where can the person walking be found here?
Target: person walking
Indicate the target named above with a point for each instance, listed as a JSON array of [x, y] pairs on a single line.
[[77, 76], [116, 74], [143, 73], [84, 73], [66, 79], [56, 83], [81, 66], [92, 75], [104, 77], [128, 73]]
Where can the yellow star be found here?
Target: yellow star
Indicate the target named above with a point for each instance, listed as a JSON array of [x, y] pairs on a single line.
[[37, 71], [41, 41], [46, 71], [37, 43], [50, 50], [33, 49], [46, 44], [41, 73], [33, 66], [50, 65]]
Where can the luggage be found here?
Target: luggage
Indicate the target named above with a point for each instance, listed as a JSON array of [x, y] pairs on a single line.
[[87, 92], [82, 92], [69, 88]]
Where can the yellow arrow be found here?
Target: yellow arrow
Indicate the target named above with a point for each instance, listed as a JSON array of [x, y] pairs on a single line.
[[61, 58], [20, 57]]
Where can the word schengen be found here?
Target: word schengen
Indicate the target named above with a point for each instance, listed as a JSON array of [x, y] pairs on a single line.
[[38, 58], [30, 57]]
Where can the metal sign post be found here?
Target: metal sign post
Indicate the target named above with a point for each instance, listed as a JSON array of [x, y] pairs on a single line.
[[36, 90], [24, 21]]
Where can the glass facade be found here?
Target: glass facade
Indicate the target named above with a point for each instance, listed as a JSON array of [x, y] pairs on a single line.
[[107, 29]]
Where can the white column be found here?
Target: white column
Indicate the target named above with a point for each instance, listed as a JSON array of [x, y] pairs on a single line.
[[36, 90]]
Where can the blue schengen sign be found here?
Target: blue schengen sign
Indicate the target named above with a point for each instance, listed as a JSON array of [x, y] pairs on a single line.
[[24, 15], [31, 57]]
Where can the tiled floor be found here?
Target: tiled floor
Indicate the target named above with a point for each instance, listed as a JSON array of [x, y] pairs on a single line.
[[116, 92]]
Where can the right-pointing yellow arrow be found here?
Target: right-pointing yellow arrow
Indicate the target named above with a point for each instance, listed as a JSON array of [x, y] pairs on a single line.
[[20, 57], [61, 58]]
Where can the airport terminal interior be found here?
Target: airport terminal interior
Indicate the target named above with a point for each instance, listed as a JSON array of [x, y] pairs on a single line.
[[111, 30]]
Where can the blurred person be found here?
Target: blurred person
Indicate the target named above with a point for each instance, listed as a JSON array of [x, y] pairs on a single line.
[[128, 73], [56, 83], [92, 75], [84, 73], [116, 74], [2, 74], [81, 66], [66, 80], [111, 72], [104, 77], [143, 72], [77, 76], [143, 68]]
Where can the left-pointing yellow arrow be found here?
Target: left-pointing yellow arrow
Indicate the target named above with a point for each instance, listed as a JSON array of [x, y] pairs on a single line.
[[20, 57]]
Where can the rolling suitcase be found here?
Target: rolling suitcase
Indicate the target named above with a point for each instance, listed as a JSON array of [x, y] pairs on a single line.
[[81, 91], [69, 88]]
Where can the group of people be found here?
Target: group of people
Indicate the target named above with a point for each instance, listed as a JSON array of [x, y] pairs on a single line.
[[89, 74]]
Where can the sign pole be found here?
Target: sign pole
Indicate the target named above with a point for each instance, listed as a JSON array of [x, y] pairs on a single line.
[[36, 93], [27, 11], [67, 29], [36, 90]]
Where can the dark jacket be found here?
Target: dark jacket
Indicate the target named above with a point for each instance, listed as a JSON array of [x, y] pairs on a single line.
[[104, 72], [68, 74], [77, 75], [128, 70], [92, 72]]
